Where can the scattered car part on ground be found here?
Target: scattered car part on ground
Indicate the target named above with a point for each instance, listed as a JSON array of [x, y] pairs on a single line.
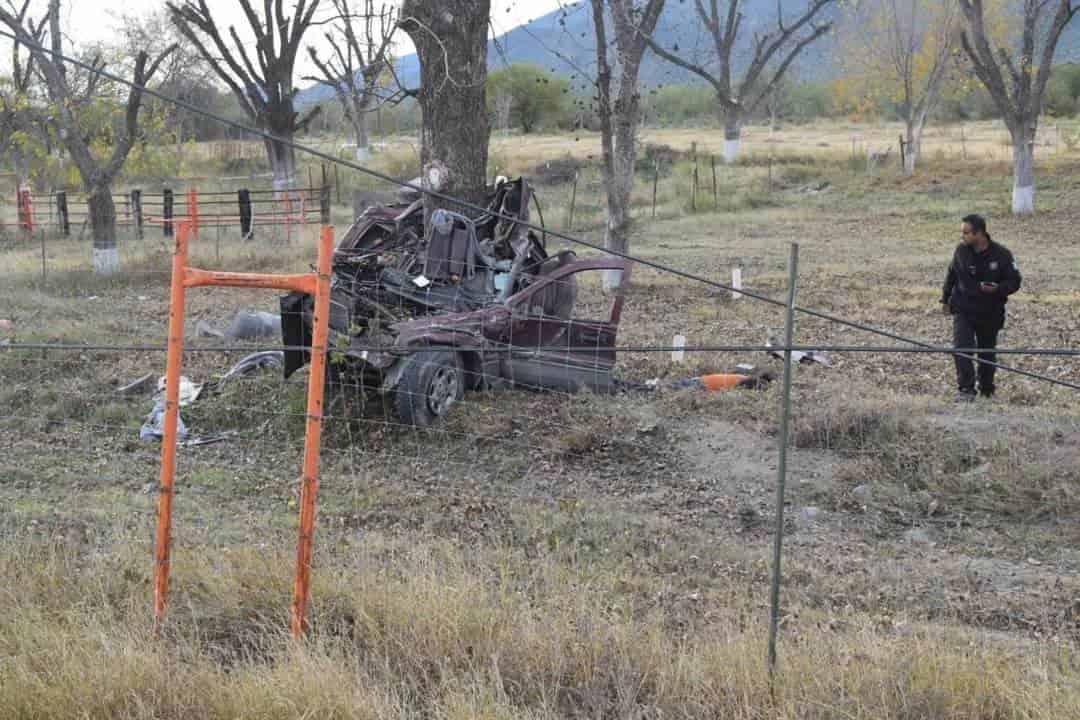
[[251, 364], [244, 326], [153, 428], [140, 386], [803, 357]]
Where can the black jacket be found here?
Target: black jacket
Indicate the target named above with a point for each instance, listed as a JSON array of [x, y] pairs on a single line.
[[969, 268]]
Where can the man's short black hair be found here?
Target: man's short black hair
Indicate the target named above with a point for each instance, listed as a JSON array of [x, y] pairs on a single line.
[[977, 222]]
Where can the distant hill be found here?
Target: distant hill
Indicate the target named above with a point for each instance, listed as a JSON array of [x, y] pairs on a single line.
[[563, 42]]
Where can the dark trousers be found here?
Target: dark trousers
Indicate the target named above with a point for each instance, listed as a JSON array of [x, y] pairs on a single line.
[[976, 331]]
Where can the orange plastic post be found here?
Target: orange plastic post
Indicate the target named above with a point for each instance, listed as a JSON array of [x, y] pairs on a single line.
[[172, 413], [193, 210], [313, 436]]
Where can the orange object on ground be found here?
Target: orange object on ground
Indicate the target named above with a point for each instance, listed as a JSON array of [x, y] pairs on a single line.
[[724, 381]]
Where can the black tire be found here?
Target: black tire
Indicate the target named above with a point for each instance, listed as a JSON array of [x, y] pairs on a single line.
[[431, 383]]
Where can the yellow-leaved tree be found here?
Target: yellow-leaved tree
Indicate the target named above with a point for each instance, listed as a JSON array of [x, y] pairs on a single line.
[[903, 53]]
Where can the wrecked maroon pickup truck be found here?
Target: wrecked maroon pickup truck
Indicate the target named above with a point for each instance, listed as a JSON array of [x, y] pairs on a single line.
[[468, 304]]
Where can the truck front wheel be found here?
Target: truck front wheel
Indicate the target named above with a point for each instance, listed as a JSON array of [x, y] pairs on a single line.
[[431, 383]]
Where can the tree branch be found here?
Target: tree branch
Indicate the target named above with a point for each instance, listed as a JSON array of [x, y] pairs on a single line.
[[778, 76], [976, 45], [142, 76], [698, 70], [767, 49]]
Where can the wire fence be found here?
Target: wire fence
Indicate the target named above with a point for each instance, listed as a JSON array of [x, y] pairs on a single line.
[[524, 387], [60, 226]]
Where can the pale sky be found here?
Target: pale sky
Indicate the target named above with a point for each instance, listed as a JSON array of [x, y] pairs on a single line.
[[96, 20]]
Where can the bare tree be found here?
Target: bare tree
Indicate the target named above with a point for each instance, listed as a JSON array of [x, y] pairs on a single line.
[[263, 88], [772, 55], [16, 111], [1016, 78], [921, 53], [359, 61], [905, 48], [67, 96], [185, 75], [618, 105], [451, 42]]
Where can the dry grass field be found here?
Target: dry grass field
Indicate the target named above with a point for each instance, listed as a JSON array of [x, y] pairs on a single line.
[[543, 555]]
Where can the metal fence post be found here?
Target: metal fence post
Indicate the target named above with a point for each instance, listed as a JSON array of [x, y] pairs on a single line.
[[715, 190], [781, 470], [167, 478], [167, 212], [193, 211], [324, 204], [137, 216], [62, 213], [694, 183], [573, 200], [655, 182], [313, 434], [247, 227]]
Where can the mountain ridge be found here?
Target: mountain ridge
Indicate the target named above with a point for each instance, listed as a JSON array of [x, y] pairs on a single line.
[[562, 42]]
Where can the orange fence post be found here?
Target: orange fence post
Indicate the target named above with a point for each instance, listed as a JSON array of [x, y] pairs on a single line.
[[184, 277], [193, 210], [172, 413], [319, 285], [313, 435], [26, 210]]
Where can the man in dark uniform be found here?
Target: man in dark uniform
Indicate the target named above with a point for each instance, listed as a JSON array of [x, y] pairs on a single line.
[[981, 277]]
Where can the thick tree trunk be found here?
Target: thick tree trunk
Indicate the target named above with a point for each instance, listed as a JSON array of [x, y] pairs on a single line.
[[356, 112], [620, 183], [451, 42], [913, 150], [22, 167], [282, 163], [103, 228], [1023, 202], [732, 134], [179, 137], [363, 146], [621, 117]]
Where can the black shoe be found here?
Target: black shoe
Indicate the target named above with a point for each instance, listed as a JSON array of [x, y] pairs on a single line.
[[965, 396]]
